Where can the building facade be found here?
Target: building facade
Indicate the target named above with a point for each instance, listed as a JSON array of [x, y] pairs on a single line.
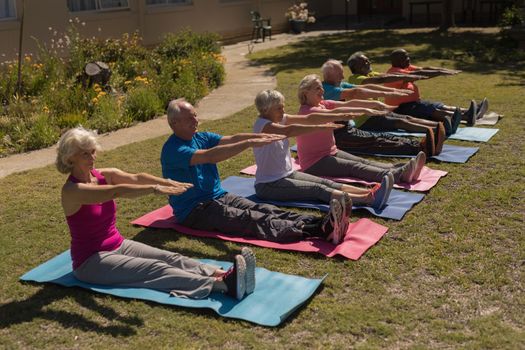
[[154, 18]]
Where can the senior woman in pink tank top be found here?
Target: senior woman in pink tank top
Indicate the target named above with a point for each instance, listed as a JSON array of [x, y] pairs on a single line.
[[101, 255]]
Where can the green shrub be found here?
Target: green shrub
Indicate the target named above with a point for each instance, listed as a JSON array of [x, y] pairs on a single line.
[[185, 43], [142, 103], [42, 133], [107, 115], [511, 16], [143, 81]]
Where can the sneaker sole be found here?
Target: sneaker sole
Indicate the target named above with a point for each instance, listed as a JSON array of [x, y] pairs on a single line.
[[241, 277], [249, 258]]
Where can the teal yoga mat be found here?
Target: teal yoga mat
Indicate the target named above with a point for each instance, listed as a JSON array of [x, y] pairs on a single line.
[[463, 134], [276, 296]]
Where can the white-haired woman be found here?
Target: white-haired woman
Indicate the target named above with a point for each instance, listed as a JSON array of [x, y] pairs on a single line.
[[101, 255], [275, 178], [319, 155]]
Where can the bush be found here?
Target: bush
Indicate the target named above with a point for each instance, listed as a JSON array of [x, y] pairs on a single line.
[[143, 104], [42, 133], [185, 65], [107, 115]]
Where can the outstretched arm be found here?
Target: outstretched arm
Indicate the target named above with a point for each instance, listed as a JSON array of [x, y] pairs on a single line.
[[320, 118], [292, 130], [220, 152], [373, 91], [390, 78], [226, 140], [119, 184], [370, 104], [330, 116]]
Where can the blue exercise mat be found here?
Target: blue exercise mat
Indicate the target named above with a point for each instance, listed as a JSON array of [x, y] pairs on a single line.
[[463, 134], [276, 294], [399, 202], [449, 154]]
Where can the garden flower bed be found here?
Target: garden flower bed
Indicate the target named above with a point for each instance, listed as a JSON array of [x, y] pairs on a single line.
[[54, 96]]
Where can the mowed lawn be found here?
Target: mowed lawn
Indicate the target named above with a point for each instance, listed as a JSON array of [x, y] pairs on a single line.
[[449, 275]]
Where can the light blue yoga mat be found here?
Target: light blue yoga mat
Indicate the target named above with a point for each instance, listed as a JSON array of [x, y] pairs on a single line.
[[450, 154], [399, 202], [463, 134], [276, 294]]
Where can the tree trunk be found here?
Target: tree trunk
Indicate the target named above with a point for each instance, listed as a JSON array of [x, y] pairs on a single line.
[[447, 17]]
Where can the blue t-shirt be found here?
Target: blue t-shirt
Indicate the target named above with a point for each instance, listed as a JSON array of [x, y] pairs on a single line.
[[332, 92], [175, 160]]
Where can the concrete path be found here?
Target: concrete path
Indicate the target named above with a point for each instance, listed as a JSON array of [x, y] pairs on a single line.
[[243, 82]]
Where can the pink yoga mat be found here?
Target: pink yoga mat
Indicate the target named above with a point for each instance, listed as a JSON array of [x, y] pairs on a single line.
[[361, 235], [427, 179]]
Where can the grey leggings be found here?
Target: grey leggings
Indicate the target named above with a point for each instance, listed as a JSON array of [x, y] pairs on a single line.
[[298, 186], [135, 264], [344, 164]]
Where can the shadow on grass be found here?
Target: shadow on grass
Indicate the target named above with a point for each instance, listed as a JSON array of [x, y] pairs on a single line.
[[436, 44], [38, 307]]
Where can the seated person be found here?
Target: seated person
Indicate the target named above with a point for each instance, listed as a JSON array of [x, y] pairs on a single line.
[[101, 255], [191, 156], [335, 89], [275, 178], [318, 154], [414, 106]]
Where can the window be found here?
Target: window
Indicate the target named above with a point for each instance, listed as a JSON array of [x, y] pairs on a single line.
[[169, 2], [7, 9], [93, 5]]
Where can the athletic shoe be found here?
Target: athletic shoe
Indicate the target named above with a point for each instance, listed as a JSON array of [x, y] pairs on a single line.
[[408, 172], [381, 195], [471, 114], [335, 217], [440, 136], [249, 258], [483, 108], [456, 118], [430, 142], [235, 278], [421, 159], [346, 203]]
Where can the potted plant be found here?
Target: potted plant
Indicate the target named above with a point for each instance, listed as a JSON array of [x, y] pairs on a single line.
[[298, 16]]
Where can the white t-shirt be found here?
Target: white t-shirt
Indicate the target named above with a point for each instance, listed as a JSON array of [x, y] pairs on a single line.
[[274, 160]]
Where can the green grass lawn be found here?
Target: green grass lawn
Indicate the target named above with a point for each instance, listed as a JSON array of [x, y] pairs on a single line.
[[449, 275]]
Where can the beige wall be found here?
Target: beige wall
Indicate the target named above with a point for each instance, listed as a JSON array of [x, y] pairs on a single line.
[[229, 19]]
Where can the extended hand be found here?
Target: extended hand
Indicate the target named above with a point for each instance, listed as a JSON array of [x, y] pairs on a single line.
[[173, 189], [266, 140]]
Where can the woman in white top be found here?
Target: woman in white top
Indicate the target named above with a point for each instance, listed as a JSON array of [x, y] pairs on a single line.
[[275, 178]]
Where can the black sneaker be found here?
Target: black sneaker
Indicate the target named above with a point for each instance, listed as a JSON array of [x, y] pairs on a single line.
[[235, 278], [456, 117], [249, 258], [471, 114]]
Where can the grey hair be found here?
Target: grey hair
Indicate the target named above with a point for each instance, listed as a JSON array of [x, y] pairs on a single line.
[[72, 141], [353, 59], [305, 85], [329, 65], [174, 110], [266, 99]]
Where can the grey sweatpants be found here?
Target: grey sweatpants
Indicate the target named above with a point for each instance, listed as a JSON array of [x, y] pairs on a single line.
[[231, 214], [135, 264], [298, 186], [344, 164]]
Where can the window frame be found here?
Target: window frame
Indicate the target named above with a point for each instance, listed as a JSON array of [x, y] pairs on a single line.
[[99, 8], [15, 12]]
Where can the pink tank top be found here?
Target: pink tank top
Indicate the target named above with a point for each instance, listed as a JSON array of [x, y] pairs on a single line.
[[314, 146], [92, 227]]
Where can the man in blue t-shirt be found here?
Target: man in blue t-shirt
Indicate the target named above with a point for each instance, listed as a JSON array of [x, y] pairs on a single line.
[[191, 156]]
